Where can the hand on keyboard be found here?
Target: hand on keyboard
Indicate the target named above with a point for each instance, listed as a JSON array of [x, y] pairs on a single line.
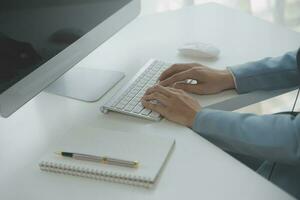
[[128, 99], [174, 104], [208, 81]]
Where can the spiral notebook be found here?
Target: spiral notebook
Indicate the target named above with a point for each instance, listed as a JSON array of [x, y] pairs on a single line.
[[150, 151]]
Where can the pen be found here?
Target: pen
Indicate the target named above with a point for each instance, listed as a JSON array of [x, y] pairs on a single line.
[[100, 159]]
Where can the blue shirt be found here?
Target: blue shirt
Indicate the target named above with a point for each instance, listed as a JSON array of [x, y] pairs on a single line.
[[275, 138]]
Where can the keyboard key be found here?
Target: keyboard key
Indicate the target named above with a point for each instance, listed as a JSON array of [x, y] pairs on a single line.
[[129, 107], [124, 101], [115, 103], [120, 106], [138, 108], [146, 111]]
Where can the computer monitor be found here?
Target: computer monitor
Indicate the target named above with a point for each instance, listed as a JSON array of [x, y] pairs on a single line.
[[40, 40]]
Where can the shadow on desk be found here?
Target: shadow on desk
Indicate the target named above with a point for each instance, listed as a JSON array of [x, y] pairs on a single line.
[[251, 162]]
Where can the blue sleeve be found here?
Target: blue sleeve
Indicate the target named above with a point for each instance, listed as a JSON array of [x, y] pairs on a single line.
[[271, 137], [267, 74]]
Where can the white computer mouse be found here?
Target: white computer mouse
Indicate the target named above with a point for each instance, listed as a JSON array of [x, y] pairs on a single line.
[[199, 50]]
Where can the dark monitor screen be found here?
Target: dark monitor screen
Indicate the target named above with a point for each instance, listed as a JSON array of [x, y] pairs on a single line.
[[34, 31]]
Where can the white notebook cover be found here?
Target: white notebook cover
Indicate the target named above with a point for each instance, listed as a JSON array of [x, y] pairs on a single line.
[[150, 151]]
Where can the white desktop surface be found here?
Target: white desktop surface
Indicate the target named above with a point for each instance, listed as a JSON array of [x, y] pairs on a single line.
[[197, 169]]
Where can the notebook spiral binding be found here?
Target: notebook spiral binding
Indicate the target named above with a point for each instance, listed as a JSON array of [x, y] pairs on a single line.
[[96, 174]]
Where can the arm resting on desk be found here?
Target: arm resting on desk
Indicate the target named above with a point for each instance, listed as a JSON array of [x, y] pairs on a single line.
[[271, 137], [267, 74]]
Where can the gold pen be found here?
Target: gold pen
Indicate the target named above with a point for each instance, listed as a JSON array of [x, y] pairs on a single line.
[[100, 159]]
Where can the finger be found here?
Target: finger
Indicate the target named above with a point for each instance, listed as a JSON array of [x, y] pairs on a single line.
[[155, 107], [174, 90], [157, 96], [182, 76], [174, 69], [191, 88], [158, 88], [187, 87]]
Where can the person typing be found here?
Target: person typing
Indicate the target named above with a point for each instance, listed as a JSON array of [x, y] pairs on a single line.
[[274, 138]]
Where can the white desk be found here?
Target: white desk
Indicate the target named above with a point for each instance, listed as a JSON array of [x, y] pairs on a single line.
[[197, 169]]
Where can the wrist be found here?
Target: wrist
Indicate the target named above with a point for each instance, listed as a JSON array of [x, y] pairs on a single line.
[[192, 117], [227, 79]]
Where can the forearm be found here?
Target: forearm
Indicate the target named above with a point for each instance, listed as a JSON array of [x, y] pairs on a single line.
[[267, 74], [271, 137]]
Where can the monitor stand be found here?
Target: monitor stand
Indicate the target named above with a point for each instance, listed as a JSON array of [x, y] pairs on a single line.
[[85, 84]]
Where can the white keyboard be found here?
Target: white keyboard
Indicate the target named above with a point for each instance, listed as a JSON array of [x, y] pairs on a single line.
[[128, 99]]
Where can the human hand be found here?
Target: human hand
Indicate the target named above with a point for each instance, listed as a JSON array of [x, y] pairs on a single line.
[[209, 81], [174, 104]]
